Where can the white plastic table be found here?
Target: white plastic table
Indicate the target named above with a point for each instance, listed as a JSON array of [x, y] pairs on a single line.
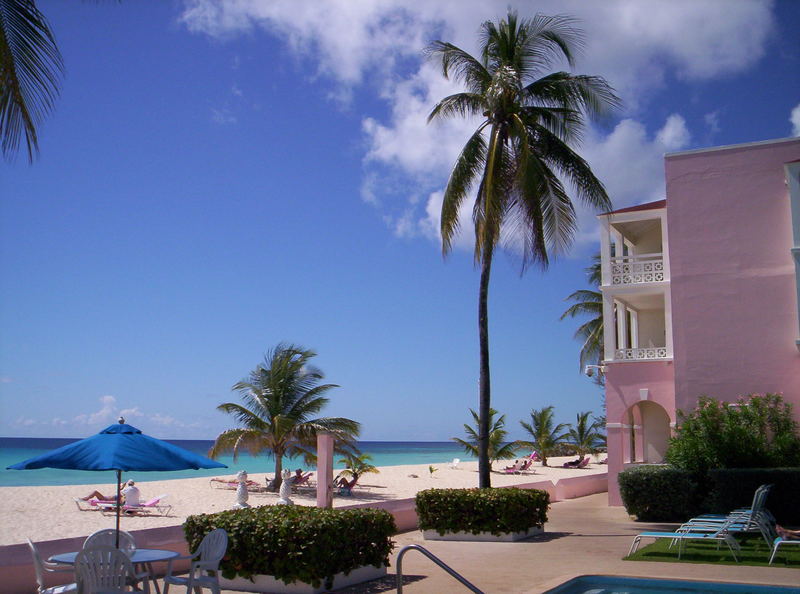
[[144, 557]]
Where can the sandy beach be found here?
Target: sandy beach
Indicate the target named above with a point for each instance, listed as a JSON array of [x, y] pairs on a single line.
[[45, 513]]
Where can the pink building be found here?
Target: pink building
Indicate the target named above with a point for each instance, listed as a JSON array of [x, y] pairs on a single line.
[[700, 293]]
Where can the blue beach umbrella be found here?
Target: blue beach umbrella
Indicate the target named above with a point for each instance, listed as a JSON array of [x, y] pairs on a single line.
[[119, 447]]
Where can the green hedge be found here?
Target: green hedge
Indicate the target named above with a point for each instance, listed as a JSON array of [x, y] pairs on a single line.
[[658, 493], [482, 510], [297, 543], [734, 487]]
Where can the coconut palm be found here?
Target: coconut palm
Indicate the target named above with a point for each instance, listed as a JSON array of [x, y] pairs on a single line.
[[589, 303], [499, 449], [30, 69], [357, 464], [585, 436], [280, 399], [546, 436], [519, 154]]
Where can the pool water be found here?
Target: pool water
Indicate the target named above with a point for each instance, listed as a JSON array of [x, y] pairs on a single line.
[[611, 584]]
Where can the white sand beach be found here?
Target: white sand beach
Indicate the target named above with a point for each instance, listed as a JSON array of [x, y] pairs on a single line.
[[46, 513]]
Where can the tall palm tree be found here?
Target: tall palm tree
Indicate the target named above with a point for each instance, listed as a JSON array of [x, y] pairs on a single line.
[[499, 449], [545, 435], [585, 435], [30, 69], [519, 154], [280, 399], [589, 303]]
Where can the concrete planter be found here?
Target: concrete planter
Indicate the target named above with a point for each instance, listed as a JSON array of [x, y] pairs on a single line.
[[482, 536], [267, 583]]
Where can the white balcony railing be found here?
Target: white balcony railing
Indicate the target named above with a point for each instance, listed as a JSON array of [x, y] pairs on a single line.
[[641, 268], [640, 354]]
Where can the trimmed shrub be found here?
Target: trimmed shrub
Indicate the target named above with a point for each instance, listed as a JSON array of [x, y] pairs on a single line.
[[658, 493], [297, 543], [734, 487], [497, 511], [758, 431]]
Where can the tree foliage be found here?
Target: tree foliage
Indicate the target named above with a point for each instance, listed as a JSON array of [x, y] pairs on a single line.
[[280, 399], [30, 72], [586, 435], [357, 464], [589, 303], [499, 449], [546, 435], [758, 431]]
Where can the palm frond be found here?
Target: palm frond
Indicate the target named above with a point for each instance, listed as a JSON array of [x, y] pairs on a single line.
[[30, 71], [463, 67]]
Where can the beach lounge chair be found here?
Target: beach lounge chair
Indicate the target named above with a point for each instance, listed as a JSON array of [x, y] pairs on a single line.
[[454, 464], [520, 466], [152, 507], [89, 505], [583, 463], [204, 561], [106, 569], [347, 488], [721, 535], [779, 542], [232, 485], [41, 567]]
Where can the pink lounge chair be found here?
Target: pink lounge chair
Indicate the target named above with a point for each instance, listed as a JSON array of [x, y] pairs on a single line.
[[521, 466], [89, 505], [144, 508], [582, 464]]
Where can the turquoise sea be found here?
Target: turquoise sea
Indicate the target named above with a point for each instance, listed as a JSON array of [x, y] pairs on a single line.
[[384, 453]]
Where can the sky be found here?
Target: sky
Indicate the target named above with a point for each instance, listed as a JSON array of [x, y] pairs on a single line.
[[220, 177]]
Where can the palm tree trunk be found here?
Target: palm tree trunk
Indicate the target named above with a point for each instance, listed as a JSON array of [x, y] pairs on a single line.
[[484, 467], [278, 469]]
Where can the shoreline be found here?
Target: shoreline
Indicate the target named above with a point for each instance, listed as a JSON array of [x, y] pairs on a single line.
[[50, 512]]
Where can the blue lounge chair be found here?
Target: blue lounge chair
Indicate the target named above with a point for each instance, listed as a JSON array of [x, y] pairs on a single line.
[[721, 535]]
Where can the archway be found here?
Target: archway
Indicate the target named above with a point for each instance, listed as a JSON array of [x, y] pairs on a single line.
[[647, 433]]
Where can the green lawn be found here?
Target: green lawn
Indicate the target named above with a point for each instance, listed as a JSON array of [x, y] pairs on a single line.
[[754, 552]]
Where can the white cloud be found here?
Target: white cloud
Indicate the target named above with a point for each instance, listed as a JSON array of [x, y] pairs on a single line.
[[236, 90], [5, 380], [25, 422], [223, 116], [794, 118], [106, 412], [131, 413], [636, 45], [712, 121]]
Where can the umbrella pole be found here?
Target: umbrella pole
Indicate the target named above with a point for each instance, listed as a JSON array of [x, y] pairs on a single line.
[[119, 481]]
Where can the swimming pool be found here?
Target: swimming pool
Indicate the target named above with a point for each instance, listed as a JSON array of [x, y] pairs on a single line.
[[612, 584]]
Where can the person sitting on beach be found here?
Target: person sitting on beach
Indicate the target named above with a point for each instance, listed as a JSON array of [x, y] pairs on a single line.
[[131, 494], [786, 533], [574, 463]]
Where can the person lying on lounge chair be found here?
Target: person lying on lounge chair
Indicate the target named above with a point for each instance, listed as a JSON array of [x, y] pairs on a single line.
[[786, 533], [98, 496]]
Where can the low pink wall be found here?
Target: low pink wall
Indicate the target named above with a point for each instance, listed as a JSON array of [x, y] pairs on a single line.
[[17, 575], [16, 568]]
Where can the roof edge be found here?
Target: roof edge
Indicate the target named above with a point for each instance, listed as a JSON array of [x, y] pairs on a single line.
[[727, 147]]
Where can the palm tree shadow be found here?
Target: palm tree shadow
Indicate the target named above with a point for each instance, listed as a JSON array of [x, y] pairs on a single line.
[[387, 583], [547, 536]]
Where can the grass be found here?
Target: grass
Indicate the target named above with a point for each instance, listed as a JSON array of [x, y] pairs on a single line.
[[754, 552]]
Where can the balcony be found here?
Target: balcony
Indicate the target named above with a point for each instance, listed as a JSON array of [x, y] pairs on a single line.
[[641, 354], [637, 269]]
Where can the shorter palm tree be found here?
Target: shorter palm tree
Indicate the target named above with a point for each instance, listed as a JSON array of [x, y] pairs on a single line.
[[498, 448], [589, 303], [584, 435], [357, 464], [280, 399], [546, 436]]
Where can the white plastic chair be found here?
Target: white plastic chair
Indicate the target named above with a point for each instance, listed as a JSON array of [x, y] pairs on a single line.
[[107, 537], [208, 554], [41, 567], [106, 570], [454, 464]]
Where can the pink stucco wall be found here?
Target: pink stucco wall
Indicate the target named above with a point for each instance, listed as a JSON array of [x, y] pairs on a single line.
[[623, 382], [734, 308]]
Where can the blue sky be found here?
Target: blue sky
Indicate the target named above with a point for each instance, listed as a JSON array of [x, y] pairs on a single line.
[[218, 178]]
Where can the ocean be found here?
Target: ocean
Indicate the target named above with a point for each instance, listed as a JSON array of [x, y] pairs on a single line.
[[384, 453]]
